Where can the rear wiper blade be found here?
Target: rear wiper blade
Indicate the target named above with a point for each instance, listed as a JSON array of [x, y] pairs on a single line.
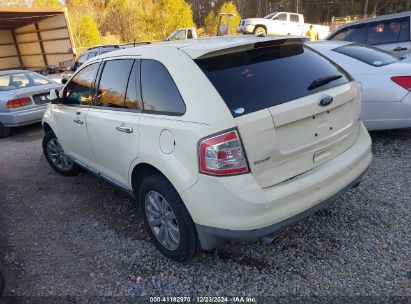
[[322, 81]]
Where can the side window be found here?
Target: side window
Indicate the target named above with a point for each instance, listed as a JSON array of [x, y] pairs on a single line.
[[387, 31], [80, 61], [354, 34], [281, 17], [91, 55], [159, 91], [189, 34], [405, 31], [79, 89], [113, 83], [133, 96], [294, 18]]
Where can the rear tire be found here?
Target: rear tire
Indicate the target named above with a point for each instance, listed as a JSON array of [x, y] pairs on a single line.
[[260, 31], [4, 131], [60, 162], [163, 210]]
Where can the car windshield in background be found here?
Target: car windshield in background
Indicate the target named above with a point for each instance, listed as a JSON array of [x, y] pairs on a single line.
[[269, 16], [17, 81], [264, 77], [368, 54]]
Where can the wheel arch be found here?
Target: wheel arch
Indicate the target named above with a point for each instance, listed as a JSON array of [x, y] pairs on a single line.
[[141, 171], [47, 128], [260, 25]]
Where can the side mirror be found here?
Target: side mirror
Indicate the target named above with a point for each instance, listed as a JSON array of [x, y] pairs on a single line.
[[64, 80], [55, 96]]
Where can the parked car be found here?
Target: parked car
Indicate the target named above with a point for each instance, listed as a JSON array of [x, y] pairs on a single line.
[[219, 138], [183, 34], [385, 81], [280, 23], [93, 52], [389, 32], [23, 98]]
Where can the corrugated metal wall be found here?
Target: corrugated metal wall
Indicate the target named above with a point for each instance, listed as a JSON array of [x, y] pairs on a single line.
[[8, 50], [40, 44]]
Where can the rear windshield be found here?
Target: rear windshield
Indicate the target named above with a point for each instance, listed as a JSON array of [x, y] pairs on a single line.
[[22, 80], [260, 78], [368, 54]]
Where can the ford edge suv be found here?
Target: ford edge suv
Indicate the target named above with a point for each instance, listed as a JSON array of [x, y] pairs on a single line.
[[228, 138]]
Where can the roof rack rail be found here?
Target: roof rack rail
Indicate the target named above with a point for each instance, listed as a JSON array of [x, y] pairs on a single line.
[[104, 46]]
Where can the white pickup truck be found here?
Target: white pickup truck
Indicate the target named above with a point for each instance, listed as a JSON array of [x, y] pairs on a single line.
[[280, 23]]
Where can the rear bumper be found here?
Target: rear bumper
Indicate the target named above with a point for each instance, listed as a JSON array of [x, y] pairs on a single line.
[[236, 208], [22, 117], [387, 115]]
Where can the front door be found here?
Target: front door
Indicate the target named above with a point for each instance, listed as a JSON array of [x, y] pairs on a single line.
[[72, 113], [113, 120]]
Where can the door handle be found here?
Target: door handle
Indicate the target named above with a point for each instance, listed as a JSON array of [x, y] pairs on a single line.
[[124, 129], [79, 121], [397, 49]]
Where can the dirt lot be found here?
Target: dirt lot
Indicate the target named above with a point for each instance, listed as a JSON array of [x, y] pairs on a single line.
[[80, 236]]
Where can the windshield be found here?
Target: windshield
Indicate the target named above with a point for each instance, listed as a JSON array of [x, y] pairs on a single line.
[[269, 16], [16, 81], [368, 54], [264, 77]]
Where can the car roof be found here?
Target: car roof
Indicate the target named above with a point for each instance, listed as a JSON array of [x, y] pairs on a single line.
[[196, 48], [8, 72], [376, 19]]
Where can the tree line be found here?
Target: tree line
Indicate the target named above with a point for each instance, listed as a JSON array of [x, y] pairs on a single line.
[[116, 21]]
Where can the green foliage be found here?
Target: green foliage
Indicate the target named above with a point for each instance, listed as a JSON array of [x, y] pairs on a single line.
[[85, 31], [46, 3], [211, 21]]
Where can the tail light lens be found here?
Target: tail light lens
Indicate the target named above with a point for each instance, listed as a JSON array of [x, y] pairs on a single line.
[[404, 81], [19, 102], [223, 155]]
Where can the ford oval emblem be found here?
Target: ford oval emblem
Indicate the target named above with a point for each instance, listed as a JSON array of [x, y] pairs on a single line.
[[326, 100]]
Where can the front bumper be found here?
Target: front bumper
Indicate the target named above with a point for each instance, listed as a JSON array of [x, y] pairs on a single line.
[[22, 117], [245, 29], [236, 208]]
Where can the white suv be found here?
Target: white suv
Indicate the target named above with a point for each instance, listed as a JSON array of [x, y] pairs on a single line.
[[217, 139]]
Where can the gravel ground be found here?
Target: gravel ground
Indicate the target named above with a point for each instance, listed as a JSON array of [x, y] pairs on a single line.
[[79, 236]]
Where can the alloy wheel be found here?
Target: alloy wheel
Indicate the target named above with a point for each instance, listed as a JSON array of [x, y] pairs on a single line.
[[162, 220]]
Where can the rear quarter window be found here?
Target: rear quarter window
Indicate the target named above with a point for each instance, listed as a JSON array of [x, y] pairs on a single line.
[[261, 78]]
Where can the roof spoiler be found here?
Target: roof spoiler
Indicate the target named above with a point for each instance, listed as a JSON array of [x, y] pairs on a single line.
[[256, 45]]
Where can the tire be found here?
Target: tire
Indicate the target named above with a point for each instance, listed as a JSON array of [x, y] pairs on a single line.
[[158, 189], [4, 131], [260, 31], [55, 156]]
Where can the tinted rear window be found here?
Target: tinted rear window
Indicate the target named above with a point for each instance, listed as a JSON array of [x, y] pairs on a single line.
[[262, 78], [369, 55]]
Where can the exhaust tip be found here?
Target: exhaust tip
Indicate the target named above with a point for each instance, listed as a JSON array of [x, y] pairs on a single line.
[[269, 238]]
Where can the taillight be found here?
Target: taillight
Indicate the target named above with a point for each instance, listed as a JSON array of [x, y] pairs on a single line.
[[404, 81], [223, 155], [19, 102]]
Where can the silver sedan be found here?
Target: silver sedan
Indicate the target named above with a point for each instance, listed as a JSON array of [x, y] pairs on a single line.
[[23, 98]]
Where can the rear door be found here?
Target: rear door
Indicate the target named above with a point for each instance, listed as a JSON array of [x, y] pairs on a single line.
[[295, 110], [113, 120], [71, 115], [391, 35], [279, 25]]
